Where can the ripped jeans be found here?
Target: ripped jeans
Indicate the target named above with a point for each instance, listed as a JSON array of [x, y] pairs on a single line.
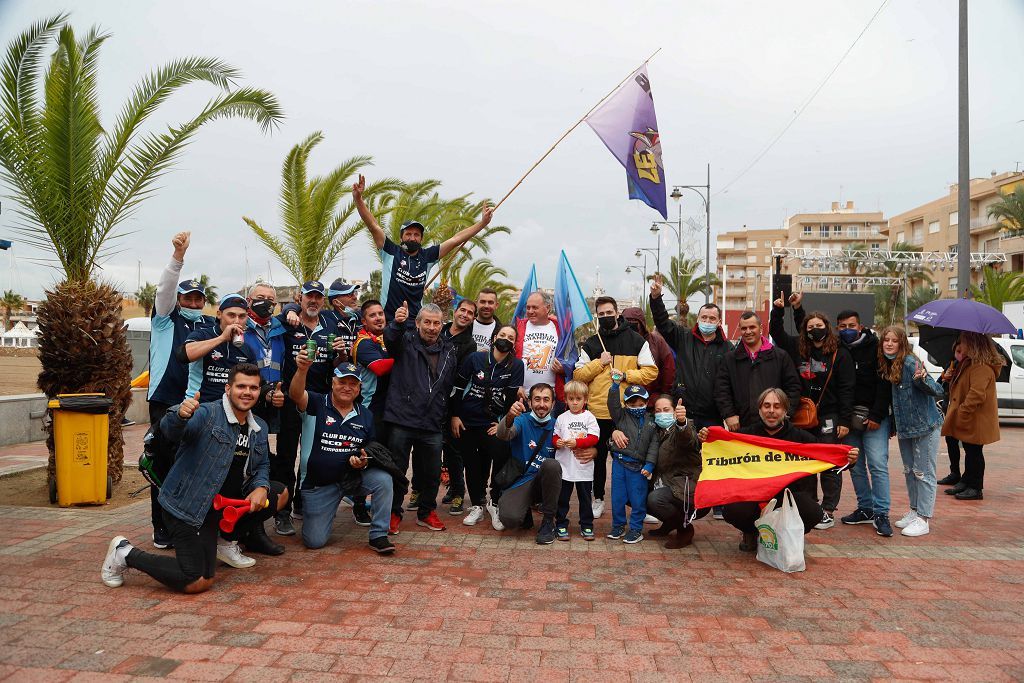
[[919, 455]]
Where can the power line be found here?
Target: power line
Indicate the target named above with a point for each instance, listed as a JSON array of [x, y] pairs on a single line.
[[807, 102]]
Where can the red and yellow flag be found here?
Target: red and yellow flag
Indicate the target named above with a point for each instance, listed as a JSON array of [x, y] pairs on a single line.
[[740, 467]]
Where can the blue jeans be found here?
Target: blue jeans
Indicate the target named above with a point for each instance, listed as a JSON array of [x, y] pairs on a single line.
[[919, 454], [628, 487], [873, 492], [320, 505], [425, 449]]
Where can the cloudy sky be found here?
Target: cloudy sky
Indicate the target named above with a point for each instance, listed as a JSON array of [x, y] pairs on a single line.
[[471, 93]]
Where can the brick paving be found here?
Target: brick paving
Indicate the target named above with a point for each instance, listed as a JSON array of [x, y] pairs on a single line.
[[471, 604]]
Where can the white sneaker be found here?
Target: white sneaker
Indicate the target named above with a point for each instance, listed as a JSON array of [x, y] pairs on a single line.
[[919, 527], [474, 515], [651, 519], [597, 507], [906, 519], [229, 554], [492, 510], [114, 565], [827, 522]]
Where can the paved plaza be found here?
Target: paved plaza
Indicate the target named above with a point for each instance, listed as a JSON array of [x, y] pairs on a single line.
[[472, 604]]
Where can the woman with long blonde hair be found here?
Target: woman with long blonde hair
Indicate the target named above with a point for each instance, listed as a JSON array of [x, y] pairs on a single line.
[[972, 416], [917, 422]]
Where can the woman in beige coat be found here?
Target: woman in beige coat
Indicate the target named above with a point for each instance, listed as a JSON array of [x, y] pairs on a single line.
[[972, 416]]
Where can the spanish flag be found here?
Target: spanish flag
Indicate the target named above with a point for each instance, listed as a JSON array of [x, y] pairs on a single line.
[[740, 467]]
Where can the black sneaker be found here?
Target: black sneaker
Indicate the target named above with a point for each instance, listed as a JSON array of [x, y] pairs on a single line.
[[360, 515], [382, 545], [859, 516], [162, 539], [949, 480], [546, 534], [882, 526], [283, 524]]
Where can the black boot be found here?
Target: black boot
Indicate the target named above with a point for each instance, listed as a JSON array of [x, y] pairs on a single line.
[[663, 530], [257, 541], [749, 543], [951, 479], [970, 494], [956, 489]]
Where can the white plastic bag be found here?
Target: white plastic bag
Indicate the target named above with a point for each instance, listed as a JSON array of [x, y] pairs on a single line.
[[780, 535]]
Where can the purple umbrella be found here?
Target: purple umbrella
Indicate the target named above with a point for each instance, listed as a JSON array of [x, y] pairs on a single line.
[[963, 314]]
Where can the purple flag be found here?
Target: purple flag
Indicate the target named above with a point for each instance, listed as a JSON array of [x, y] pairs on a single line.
[[628, 127]]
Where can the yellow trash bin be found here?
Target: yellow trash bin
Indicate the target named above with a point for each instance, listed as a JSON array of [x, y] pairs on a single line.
[[80, 433]]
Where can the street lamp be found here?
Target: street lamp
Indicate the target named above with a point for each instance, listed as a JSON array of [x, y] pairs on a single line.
[[706, 198]]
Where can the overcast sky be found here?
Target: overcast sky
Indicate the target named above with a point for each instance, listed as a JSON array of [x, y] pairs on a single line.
[[472, 93]]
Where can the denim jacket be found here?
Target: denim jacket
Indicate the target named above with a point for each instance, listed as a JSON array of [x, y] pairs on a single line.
[[206, 447], [913, 402]]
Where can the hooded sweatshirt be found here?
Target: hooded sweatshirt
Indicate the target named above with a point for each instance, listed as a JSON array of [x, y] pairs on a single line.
[[663, 357], [630, 353]]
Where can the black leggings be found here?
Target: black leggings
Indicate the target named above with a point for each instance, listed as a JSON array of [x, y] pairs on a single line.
[[480, 451], [974, 466], [744, 516], [953, 449], [282, 463], [164, 458], [195, 550]]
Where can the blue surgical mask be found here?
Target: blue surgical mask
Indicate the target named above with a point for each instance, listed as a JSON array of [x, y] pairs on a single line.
[[707, 328], [540, 420], [664, 420], [849, 336], [190, 314], [638, 413], [890, 356]]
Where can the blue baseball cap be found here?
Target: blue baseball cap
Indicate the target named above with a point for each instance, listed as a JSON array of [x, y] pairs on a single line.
[[233, 301], [636, 391], [314, 286], [341, 288], [413, 224], [346, 370], [189, 286]]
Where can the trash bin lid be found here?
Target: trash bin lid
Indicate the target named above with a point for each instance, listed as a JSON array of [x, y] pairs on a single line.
[[97, 404]]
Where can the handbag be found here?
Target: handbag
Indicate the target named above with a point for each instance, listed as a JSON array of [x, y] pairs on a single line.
[[860, 417], [515, 468], [780, 535], [806, 415]]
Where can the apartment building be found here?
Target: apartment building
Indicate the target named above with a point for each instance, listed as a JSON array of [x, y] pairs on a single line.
[[745, 258], [933, 227]]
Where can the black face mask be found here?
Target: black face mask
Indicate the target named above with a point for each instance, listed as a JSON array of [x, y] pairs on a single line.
[[503, 345], [816, 334], [608, 323], [410, 246], [262, 308]]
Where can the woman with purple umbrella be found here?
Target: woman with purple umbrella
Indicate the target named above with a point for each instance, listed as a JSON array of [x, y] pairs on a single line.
[[972, 416]]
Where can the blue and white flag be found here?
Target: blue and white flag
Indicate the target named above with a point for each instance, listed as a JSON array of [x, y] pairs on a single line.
[[529, 287], [571, 311]]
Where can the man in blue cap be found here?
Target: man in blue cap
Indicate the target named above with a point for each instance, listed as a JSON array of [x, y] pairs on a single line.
[[337, 462], [317, 325], [344, 299], [177, 313], [404, 267]]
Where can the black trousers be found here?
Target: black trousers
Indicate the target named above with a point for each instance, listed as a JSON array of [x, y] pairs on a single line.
[[282, 463], [195, 550], [480, 452], [672, 512], [164, 459], [601, 460], [545, 487], [424, 449], [743, 516], [831, 479], [974, 466], [953, 449]]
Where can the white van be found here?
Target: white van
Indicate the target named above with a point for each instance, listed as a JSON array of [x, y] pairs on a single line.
[[1010, 393]]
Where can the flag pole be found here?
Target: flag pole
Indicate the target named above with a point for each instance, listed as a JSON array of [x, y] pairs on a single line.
[[571, 129], [545, 156]]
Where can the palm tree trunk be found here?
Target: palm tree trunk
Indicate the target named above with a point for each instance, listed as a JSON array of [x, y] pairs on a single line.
[[83, 348]]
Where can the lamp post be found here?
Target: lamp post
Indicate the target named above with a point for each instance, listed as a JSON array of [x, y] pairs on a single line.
[[643, 275], [705, 194]]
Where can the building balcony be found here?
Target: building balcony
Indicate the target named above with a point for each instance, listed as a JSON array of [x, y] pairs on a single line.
[[1011, 242], [983, 223]]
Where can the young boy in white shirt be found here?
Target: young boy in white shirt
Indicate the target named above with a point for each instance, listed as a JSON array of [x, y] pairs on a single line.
[[575, 429]]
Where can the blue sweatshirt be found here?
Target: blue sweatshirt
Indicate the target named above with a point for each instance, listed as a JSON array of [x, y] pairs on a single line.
[[524, 435]]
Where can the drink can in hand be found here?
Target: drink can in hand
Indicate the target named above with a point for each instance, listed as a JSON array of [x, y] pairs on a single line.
[[238, 340], [311, 349]]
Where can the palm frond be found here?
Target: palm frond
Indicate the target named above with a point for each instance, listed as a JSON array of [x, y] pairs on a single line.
[[20, 72]]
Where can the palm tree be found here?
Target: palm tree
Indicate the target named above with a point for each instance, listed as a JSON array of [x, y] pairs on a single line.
[[853, 265], [371, 290], [887, 297], [1010, 210], [481, 273], [686, 278], [11, 301], [75, 181], [315, 228], [146, 296], [997, 288], [211, 291]]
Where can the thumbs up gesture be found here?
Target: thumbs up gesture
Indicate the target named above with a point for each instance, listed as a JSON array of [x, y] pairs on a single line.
[[517, 409], [402, 314], [680, 412], [188, 407], [277, 396]]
